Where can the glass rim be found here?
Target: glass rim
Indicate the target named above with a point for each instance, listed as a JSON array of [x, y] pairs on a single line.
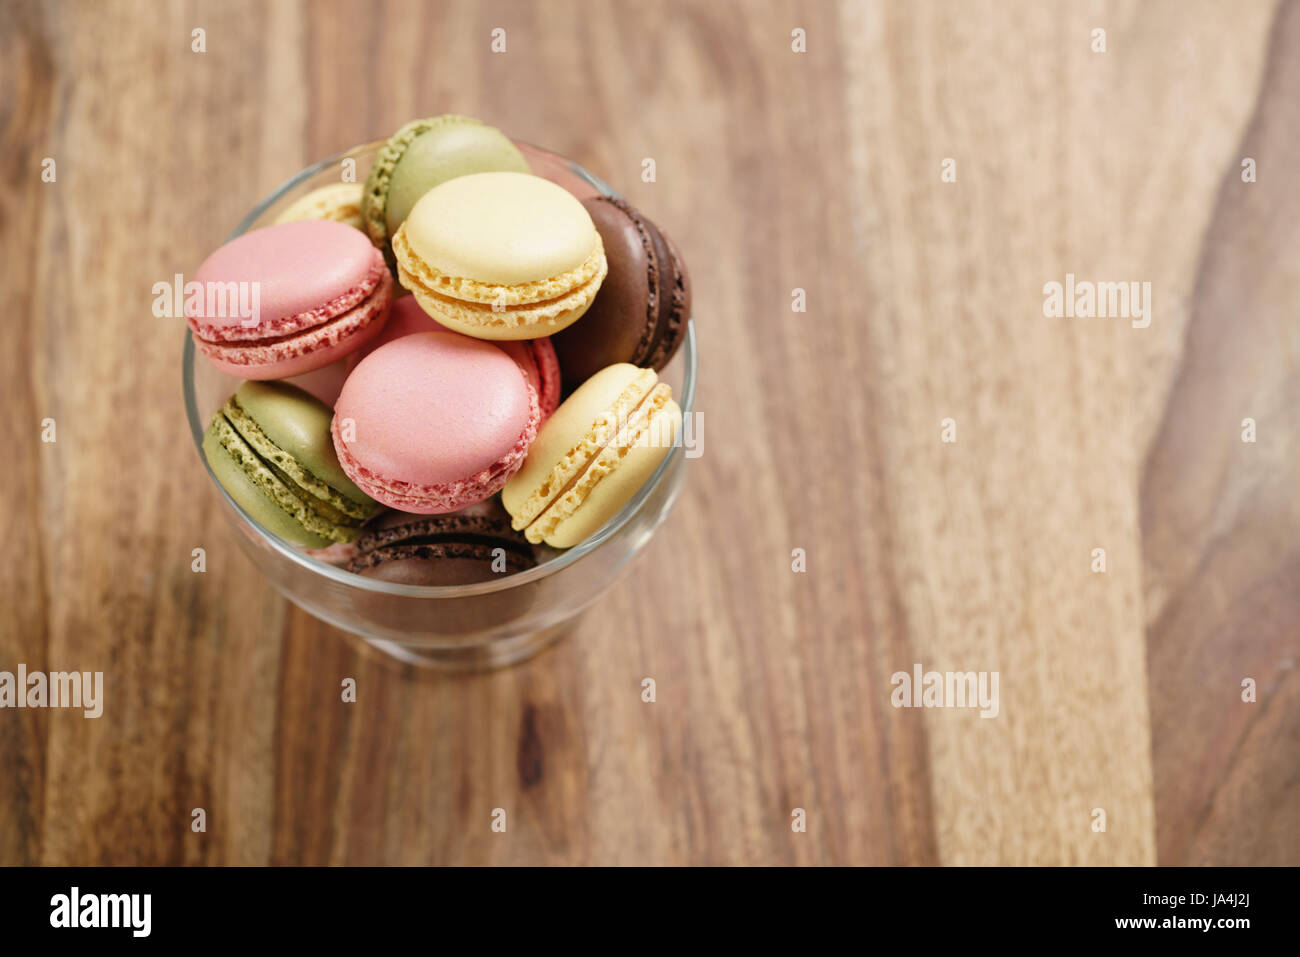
[[352, 580]]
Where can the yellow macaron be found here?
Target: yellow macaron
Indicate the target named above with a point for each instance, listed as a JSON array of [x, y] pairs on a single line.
[[340, 202], [500, 256], [592, 455]]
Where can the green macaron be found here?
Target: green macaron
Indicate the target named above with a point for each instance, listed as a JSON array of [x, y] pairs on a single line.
[[423, 154], [270, 447]]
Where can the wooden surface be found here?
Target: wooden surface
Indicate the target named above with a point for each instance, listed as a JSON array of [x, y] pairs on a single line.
[[776, 170]]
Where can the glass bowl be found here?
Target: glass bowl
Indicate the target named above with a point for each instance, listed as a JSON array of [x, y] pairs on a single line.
[[467, 627]]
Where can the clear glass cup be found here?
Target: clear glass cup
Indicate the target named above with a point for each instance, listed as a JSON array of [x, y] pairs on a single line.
[[468, 627]]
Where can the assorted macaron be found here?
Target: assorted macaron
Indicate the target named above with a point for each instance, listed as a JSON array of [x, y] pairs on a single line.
[[501, 256], [435, 421], [424, 154], [340, 202], [640, 314], [288, 299], [448, 456], [270, 447], [598, 448], [472, 545]]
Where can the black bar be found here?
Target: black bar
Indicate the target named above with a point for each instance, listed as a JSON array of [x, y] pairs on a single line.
[[331, 906]]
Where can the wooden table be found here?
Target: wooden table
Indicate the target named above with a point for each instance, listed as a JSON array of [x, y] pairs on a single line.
[[776, 170]]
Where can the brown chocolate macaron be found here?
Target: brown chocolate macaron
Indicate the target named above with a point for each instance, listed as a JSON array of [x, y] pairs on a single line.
[[640, 314], [459, 548]]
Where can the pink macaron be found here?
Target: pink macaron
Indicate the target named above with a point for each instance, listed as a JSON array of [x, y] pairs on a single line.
[[535, 356], [288, 299], [405, 317], [434, 422]]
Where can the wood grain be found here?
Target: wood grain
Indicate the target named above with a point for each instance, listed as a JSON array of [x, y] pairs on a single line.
[[775, 171], [1220, 517]]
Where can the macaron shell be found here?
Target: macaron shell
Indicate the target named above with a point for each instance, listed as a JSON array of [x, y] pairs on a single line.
[[340, 202], [537, 358], [434, 421], [305, 273], [434, 407], [549, 374], [319, 509], [374, 195], [445, 152], [486, 518], [640, 312], [307, 351], [624, 305], [501, 228], [314, 504], [260, 506], [443, 497], [674, 303], [442, 565], [614, 490], [573, 436], [298, 424], [472, 545]]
